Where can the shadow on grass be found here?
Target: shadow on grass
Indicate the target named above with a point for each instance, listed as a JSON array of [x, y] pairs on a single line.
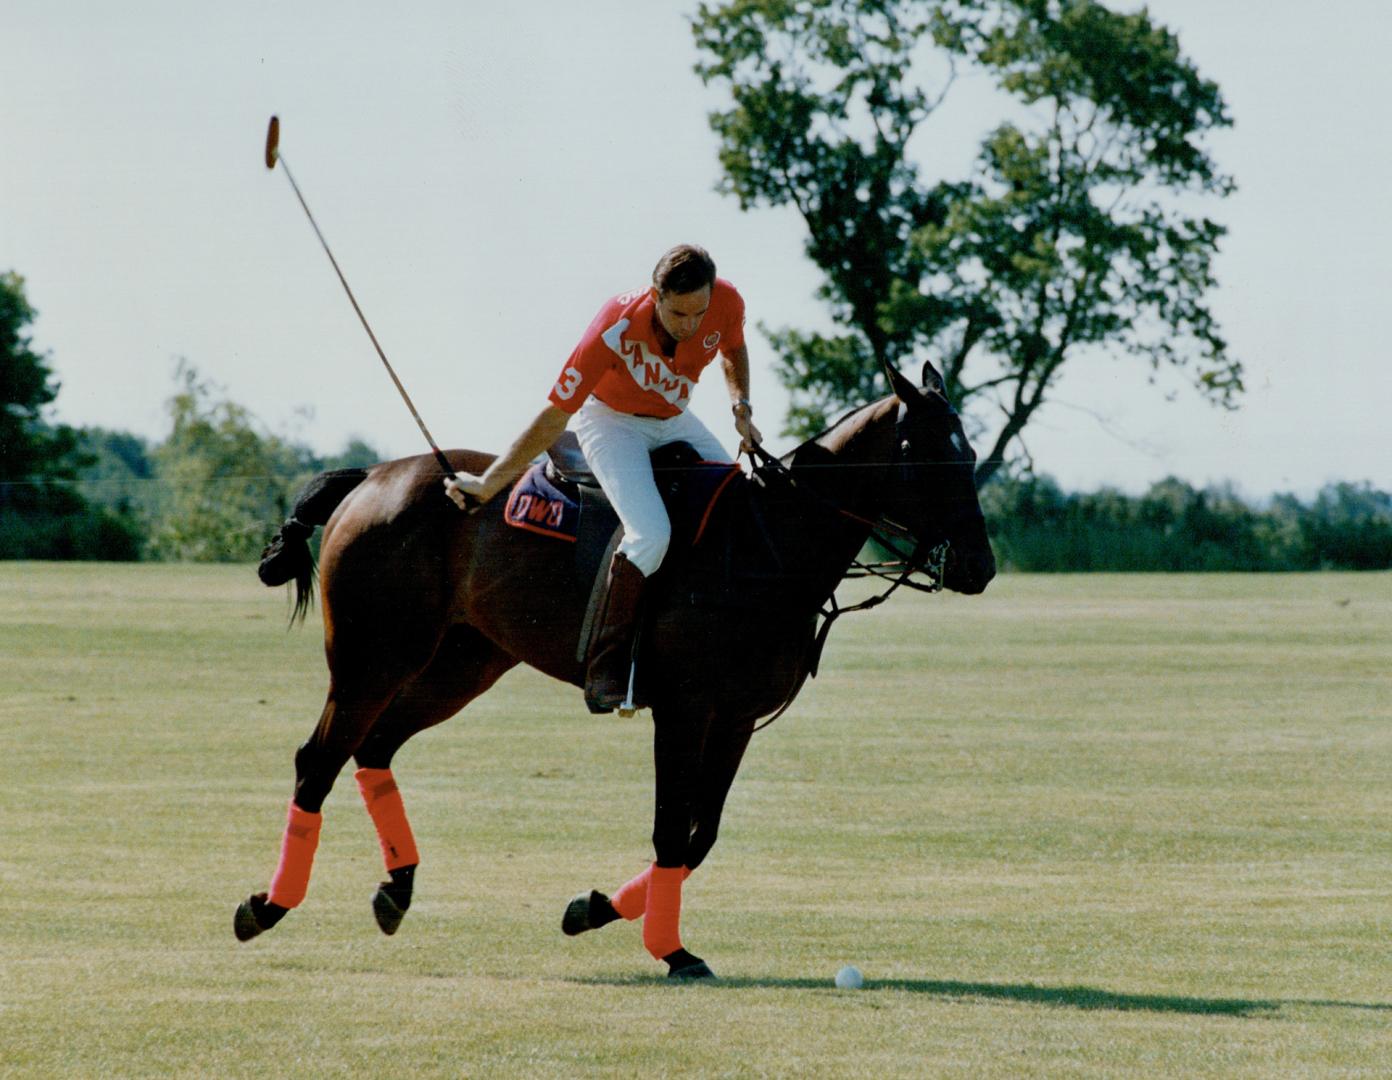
[[1073, 997]]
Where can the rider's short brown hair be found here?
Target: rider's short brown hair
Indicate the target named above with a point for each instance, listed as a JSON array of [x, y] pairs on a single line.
[[685, 269]]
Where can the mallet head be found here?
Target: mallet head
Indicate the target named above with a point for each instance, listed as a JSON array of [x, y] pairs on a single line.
[[272, 142]]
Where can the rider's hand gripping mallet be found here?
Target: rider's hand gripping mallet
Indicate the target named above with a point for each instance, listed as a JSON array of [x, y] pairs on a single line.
[[274, 155]]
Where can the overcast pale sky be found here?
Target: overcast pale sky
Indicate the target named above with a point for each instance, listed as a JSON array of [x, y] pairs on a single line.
[[487, 174]]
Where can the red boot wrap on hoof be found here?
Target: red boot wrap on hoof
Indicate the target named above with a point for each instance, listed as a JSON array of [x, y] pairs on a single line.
[[297, 848], [632, 898], [383, 799], [662, 920]]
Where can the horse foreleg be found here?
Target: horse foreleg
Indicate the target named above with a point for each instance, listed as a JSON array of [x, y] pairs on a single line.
[[655, 894], [678, 746], [695, 767], [719, 764], [592, 910]]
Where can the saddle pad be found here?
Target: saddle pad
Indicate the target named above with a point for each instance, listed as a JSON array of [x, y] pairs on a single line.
[[538, 506], [541, 506]]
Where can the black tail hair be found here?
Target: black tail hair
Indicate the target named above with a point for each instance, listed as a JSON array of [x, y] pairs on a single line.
[[287, 557]]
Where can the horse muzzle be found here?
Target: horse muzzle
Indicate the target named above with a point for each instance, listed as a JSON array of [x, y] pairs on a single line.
[[969, 571]]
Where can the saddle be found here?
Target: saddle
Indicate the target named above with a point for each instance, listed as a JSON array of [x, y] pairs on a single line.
[[561, 498], [721, 556]]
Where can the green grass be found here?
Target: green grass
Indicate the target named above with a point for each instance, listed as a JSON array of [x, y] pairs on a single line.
[[1080, 826]]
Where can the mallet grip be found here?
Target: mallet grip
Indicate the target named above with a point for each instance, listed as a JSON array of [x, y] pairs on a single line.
[[272, 142]]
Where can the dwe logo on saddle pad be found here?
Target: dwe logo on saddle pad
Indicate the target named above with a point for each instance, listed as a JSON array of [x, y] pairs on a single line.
[[539, 506]]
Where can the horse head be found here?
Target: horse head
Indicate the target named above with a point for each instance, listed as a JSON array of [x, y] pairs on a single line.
[[934, 495]]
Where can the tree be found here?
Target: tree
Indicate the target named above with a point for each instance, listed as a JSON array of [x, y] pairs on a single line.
[[1350, 526], [1065, 237], [41, 515], [221, 484], [31, 450], [118, 470]]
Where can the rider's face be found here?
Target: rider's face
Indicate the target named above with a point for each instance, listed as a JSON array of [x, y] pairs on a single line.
[[681, 313]]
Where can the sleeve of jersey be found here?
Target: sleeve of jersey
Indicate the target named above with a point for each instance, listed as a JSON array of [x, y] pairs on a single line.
[[587, 364], [734, 323]]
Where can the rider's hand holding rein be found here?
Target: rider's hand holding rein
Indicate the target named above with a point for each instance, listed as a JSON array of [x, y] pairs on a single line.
[[744, 425]]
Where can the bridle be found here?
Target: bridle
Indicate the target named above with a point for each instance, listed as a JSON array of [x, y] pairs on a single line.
[[886, 533]]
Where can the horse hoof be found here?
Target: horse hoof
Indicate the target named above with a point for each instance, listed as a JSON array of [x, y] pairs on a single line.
[[388, 913], [244, 922], [588, 911], [687, 968], [255, 915]]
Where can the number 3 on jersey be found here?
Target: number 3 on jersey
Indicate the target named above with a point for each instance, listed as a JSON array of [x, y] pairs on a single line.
[[570, 380]]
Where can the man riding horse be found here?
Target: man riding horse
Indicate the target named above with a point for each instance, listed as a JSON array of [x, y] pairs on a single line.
[[420, 602], [627, 386]]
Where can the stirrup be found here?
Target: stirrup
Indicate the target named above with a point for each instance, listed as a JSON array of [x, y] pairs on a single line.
[[627, 709]]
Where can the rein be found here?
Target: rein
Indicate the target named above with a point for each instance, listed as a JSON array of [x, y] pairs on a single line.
[[897, 573]]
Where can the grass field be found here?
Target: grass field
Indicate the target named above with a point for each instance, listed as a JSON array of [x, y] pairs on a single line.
[[1079, 826]]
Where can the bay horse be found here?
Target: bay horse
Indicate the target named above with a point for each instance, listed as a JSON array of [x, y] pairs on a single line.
[[425, 607]]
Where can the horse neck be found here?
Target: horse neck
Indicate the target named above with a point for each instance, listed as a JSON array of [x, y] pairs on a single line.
[[857, 454], [839, 481]]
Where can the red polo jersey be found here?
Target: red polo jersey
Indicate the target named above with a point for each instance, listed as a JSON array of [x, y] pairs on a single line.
[[618, 359]]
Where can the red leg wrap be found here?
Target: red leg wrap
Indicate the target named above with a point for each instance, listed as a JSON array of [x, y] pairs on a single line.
[[383, 799], [662, 920], [632, 898], [297, 848]]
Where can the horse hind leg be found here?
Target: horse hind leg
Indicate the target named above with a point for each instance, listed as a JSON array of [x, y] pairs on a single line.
[[465, 666], [382, 797], [347, 715]]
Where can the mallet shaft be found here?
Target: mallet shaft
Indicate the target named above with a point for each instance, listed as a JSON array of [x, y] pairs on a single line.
[[273, 155]]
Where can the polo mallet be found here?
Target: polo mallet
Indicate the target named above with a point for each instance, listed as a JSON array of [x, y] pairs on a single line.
[[274, 155]]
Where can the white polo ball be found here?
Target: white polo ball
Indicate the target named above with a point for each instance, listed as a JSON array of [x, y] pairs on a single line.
[[849, 978]]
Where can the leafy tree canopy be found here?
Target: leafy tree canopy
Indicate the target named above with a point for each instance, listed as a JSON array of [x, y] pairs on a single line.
[[1068, 233], [221, 481], [31, 450]]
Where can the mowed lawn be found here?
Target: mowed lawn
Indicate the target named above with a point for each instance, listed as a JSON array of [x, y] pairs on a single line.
[[1110, 826]]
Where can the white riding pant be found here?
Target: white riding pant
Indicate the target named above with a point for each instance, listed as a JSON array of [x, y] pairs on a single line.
[[617, 446]]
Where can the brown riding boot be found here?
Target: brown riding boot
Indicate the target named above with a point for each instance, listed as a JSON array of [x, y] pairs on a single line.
[[611, 646]]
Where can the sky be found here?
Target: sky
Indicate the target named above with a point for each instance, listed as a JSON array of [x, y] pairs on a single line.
[[488, 174]]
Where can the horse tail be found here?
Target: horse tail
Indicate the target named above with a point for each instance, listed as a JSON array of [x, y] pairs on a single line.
[[287, 557]]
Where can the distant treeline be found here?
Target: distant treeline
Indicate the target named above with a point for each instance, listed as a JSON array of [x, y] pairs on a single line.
[[1036, 526], [216, 488]]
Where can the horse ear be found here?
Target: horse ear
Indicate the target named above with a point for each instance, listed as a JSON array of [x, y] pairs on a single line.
[[903, 389], [932, 378]]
